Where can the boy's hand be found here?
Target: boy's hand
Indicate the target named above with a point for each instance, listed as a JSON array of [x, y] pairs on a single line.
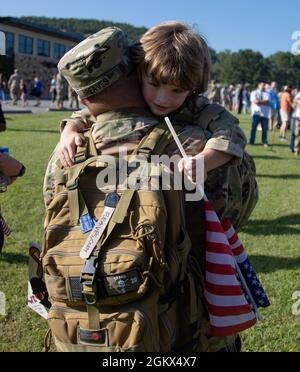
[[193, 168], [69, 141]]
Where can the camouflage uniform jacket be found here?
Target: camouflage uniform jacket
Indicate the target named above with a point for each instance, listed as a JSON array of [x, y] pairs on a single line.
[[223, 134]]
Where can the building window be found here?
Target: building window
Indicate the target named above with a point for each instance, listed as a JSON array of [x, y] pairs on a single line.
[[59, 50], [25, 44], [9, 42], [43, 48]]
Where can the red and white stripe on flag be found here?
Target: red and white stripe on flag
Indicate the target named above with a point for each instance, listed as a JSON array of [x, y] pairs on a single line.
[[5, 227], [228, 309]]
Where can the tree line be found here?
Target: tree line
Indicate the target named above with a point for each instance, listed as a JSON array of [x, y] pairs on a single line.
[[244, 66], [87, 26], [247, 66]]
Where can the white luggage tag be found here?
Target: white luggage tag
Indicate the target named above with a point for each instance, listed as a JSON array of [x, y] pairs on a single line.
[[111, 203]]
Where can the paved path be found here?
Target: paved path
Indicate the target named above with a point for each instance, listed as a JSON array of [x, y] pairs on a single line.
[[8, 108]]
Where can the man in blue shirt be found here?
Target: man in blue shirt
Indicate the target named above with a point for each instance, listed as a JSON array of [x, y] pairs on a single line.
[[274, 105], [37, 90]]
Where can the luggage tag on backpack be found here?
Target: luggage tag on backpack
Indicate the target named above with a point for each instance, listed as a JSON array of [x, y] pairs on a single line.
[[111, 203], [87, 223]]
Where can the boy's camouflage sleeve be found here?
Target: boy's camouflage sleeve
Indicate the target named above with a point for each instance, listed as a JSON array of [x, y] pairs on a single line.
[[224, 131], [83, 116], [227, 136]]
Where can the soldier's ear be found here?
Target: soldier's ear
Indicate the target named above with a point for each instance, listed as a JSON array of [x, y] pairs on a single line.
[[83, 101]]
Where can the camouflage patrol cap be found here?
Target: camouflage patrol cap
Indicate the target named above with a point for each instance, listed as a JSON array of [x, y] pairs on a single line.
[[97, 62]]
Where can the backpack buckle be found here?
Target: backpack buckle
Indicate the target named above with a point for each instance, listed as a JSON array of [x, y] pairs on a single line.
[[80, 157], [87, 279], [88, 273]]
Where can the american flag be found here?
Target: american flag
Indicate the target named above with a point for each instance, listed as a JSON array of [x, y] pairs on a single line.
[[5, 227], [228, 305], [257, 292]]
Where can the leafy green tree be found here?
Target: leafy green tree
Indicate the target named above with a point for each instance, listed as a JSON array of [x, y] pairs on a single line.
[[244, 66], [285, 69]]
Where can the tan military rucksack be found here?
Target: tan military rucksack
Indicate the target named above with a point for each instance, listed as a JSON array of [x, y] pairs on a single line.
[[136, 292]]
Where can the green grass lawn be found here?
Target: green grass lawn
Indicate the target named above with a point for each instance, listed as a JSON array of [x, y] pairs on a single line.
[[272, 237]]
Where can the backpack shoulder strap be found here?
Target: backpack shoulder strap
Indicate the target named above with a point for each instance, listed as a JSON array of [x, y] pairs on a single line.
[[155, 141]]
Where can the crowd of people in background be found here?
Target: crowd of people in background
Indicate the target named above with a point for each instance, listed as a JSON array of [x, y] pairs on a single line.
[[58, 91], [18, 89], [270, 109]]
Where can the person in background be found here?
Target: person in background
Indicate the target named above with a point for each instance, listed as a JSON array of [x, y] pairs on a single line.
[[2, 87], [13, 85], [53, 91], [73, 98], [236, 98], [60, 87], [260, 113], [214, 92], [38, 89], [246, 98], [239, 98], [295, 130], [274, 105], [10, 170], [2, 120], [231, 93], [225, 97], [23, 92], [285, 112]]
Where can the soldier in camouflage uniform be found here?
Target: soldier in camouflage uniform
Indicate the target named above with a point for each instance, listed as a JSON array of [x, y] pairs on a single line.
[[73, 98], [14, 84], [60, 87], [117, 127]]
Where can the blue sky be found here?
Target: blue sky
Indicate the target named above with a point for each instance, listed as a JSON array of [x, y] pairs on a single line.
[[263, 25]]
